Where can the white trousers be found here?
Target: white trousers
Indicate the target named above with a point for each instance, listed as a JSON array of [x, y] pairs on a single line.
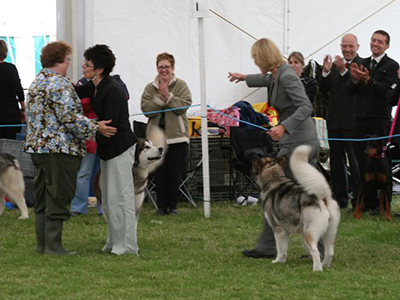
[[118, 201]]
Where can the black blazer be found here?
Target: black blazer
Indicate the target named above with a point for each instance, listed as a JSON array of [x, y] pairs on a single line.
[[341, 104], [370, 98], [110, 103]]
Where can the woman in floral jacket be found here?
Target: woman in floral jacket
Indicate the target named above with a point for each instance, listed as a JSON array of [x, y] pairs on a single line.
[[56, 133]]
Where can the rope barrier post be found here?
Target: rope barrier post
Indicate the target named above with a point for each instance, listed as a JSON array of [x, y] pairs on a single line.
[[200, 10]]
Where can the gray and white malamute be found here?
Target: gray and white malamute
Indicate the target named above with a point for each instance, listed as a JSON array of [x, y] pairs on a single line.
[[305, 208], [146, 156], [12, 184]]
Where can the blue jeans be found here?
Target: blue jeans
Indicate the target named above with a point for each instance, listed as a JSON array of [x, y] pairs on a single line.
[[80, 202]]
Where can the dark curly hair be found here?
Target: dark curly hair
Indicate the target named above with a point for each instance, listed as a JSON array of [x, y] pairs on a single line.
[[54, 53], [102, 58]]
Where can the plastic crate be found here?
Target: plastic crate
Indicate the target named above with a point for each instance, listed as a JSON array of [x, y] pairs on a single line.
[[15, 148]]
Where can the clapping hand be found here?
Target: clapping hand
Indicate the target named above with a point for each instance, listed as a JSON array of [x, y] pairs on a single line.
[[340, 64], [327, 65], [163, 90]]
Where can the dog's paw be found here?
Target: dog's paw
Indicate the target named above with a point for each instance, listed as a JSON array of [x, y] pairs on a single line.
[[317, 269], [279, 260], [23, 217]]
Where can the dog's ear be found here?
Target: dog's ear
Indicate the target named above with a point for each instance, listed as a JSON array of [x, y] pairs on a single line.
[[281, 160], [258, 165]]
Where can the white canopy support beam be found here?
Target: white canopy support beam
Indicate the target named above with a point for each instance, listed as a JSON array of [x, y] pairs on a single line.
[[200, 10]]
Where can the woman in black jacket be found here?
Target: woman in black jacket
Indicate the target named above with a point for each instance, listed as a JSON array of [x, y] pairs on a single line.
[[109, 101], [296, 60], [11, 93]]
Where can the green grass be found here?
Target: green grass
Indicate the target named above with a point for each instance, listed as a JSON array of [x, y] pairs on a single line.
[[190, 257]]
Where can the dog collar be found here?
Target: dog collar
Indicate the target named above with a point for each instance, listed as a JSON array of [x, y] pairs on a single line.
[[383, 152], [378, 156]]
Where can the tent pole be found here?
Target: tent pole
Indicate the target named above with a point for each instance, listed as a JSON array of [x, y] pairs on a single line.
[[204, 126]]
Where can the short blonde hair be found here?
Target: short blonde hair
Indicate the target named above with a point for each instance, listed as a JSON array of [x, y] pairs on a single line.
[[3, 50], [267, 54]]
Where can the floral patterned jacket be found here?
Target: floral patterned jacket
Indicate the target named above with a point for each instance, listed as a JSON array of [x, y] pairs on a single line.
[[54, 116]]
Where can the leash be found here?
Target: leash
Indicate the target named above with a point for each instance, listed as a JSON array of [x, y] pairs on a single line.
[[390, 134], [393, 124]]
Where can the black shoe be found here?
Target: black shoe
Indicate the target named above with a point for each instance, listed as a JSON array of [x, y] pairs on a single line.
[[75, 213], [397, 215], [160, 212], [254, 253], [173, 212]]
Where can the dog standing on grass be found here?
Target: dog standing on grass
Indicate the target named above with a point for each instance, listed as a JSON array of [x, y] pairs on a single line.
[[12, 184], [147, 157], [305, 208], [377, 176]]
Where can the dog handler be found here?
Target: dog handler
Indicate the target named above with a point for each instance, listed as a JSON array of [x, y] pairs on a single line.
[[287, 95], [56, 133], [117, 154]]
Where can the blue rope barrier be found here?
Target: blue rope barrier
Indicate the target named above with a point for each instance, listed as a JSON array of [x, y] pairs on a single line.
[[13, 125], [164, 110], [241, 121]]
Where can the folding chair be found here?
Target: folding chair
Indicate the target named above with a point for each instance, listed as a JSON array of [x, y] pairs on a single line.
[[186, 179], [246, 146], [140, 130]]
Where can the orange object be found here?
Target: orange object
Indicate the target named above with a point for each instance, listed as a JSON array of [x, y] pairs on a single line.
[[267, 110]]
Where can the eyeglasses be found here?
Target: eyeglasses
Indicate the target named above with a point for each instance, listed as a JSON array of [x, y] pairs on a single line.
[[86, 65], [164, 67]]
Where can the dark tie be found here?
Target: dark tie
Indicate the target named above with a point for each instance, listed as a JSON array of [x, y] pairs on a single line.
[[373, 64]]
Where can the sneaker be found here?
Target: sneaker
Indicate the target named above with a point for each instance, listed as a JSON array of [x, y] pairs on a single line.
[[173, 212], [254, 253], [160, 212], [75, 213]]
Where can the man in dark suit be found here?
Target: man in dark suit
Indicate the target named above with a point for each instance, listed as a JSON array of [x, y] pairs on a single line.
[[340, 120], [370, 82]]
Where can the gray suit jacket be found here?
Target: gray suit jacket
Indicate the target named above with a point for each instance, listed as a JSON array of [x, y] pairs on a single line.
[[287, 95]]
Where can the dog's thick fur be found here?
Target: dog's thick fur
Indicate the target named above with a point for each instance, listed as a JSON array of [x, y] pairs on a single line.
[[305, 208], [146, 154], [377, 176], [12, 184]]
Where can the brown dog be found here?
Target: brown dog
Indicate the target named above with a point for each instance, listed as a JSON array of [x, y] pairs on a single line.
[[377, 176]]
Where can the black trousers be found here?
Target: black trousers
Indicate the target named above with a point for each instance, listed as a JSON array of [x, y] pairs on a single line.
[[341, 184], [10, 115], [55, 184], [168, 176], [363, 128]]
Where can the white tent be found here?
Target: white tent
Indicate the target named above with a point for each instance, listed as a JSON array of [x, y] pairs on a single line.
[[138, 30]]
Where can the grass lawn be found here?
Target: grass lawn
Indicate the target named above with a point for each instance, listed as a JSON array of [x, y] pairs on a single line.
[[187, 256]]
